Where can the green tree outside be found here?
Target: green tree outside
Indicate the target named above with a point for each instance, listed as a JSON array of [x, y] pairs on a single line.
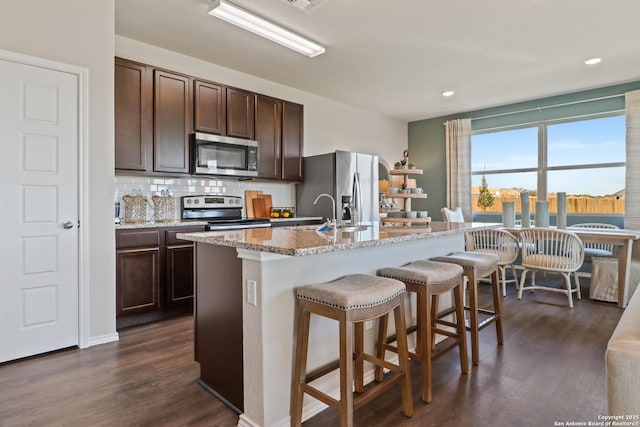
[[485, 198]]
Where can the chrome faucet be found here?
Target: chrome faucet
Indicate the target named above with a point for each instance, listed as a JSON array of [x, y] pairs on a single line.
[[333, 201]]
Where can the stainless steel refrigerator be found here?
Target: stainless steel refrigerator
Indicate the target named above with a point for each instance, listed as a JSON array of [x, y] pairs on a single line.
[[338, 174]]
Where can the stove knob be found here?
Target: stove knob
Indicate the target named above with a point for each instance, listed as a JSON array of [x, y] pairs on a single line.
[[196, 201], [188, 201], [237, 201]]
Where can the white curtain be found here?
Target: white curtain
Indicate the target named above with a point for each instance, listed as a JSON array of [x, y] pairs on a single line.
[[458, 138], [632, 177]]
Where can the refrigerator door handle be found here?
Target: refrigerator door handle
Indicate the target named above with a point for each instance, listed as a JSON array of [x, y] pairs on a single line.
[[356, 212]]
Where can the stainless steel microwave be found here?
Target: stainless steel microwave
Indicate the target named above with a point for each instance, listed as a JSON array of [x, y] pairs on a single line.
[[224, 155]]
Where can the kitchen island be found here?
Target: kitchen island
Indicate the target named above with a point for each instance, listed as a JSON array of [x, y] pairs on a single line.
[[245, 283]]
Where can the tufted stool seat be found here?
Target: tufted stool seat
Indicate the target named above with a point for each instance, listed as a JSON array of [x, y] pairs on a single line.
[[477, 265], [429, 280], [351, 300]]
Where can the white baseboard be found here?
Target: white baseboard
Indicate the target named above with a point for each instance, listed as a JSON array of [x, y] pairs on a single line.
[[103, 339]]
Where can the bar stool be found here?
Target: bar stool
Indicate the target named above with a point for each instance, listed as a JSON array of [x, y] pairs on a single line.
[[477, 265], [351, 300], [429, 280]]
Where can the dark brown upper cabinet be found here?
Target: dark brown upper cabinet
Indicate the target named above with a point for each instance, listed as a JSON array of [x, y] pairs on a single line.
[[171, 124], [156, 111], [240, 113], [292, 141], [133, 116], [269, 136], [210, 107]]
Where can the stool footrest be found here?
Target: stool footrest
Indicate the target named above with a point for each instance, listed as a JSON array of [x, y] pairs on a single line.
[[380, 362], [493, 317], [368, 395], [455, 342], [324, 398], [322, 371]]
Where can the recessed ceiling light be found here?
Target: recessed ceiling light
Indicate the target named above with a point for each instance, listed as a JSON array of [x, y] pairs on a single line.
[[256, 24], [448, 93], [592, 61]]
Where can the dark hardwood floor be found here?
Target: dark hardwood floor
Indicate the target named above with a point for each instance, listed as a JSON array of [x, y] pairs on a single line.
[[551, 368]]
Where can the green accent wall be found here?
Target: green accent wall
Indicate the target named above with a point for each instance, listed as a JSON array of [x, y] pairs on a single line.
[[427, 137]]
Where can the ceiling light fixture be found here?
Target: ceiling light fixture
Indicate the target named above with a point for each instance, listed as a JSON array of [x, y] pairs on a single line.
[[593, 61], [448, 93], [248, 21]]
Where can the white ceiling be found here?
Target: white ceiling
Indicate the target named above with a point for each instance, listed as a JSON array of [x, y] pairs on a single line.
[[396, 57]]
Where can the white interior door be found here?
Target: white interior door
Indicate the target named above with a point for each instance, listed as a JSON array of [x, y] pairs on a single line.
[[39, 216]]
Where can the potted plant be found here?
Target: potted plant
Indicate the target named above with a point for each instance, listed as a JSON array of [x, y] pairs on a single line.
[[404, 189], [412, 165], [403, 164], [397, 165]]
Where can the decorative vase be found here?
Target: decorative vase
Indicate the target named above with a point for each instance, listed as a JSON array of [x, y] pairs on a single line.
[[562, 210], [509, 214], [524, 203], [542, 213]]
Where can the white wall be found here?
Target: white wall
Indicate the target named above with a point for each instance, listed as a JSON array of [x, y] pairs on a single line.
[[328, 125], [80, 32]]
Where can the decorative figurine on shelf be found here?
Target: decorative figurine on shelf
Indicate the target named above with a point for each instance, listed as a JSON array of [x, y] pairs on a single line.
[[402, 164]]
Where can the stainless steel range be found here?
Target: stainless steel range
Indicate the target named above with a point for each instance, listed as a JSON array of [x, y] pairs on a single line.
[[221, 212]]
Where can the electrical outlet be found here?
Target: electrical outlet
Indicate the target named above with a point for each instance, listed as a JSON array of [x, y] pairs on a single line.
[[252, 296], [368, 324]]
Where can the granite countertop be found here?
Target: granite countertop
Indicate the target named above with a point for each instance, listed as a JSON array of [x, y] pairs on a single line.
[[302, 241], [179, 223], [152, 224]]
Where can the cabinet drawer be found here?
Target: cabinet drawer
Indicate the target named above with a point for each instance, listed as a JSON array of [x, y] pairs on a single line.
[[137, 238], [171, 239]]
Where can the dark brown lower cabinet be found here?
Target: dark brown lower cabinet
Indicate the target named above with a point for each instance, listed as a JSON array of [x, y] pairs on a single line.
[[138, 280], [154, 274], [218, 323]]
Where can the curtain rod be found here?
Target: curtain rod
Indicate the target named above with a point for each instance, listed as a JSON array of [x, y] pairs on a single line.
[[545, 107]]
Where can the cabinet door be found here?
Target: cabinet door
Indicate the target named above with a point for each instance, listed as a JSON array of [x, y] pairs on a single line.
[[269, 136], [179, 274], [292, 141], [210, 104], [137, 280], [171, 122], [133, 115], [240, 113]]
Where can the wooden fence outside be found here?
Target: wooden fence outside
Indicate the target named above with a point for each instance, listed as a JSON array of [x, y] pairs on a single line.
[[575, 204]]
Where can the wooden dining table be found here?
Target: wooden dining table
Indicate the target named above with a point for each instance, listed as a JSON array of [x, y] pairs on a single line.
[[622, 238]]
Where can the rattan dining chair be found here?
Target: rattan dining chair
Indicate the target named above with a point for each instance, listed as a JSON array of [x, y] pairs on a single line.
[[500, 243], [551, 250], [593, 249]]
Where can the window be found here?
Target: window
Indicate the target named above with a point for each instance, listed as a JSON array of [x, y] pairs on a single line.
[[584, 158]]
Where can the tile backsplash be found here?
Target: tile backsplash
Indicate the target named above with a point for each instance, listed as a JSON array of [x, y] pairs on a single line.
[[282, 194]]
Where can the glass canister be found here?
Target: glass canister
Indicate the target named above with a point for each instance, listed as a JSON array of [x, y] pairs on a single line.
[[163, 207], [135, 208]]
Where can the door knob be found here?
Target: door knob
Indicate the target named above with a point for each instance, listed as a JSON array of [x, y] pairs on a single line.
[[67, 225]]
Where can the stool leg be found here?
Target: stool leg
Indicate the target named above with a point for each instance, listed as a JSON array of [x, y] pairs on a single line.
[[300, 370], [403, 358], [424, 341], [460, 327], [435, 299], [495, 287], [383, 324], [358, 370], [473, 314], [346, 370], [503, 279]]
